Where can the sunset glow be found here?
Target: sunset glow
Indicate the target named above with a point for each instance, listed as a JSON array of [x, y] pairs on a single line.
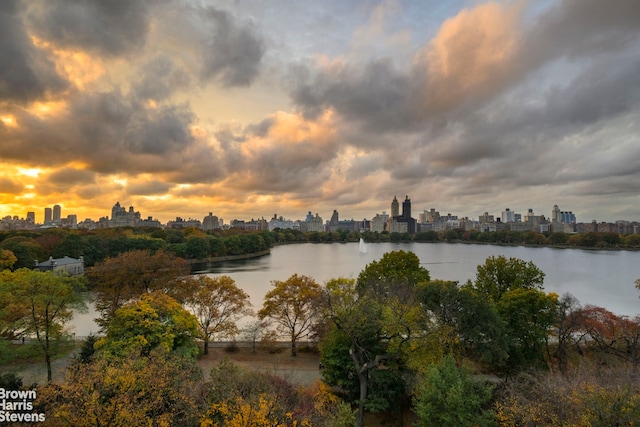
[[246, 109]]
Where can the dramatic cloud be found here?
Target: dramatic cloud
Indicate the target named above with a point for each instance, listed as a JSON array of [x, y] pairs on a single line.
[[232, 52], [246, 109], [26, 72], [110, 28]]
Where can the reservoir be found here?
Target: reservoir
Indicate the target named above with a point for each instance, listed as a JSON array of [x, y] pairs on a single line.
[[602, 278]]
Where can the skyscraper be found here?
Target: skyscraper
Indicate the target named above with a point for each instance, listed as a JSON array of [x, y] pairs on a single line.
[[57, 213], [395, 207], [406, 207], [47, 215]]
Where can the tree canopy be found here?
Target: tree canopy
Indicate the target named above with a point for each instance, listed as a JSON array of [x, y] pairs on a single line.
[[293, 305], [155, 320], [217, 304]]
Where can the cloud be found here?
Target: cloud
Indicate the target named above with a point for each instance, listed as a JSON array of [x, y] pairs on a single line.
[[471, 56], [69, 176], [161, 77], [10, 186], [290, 154], [110, 28], [232, 52], [26, 72], [375, 95]]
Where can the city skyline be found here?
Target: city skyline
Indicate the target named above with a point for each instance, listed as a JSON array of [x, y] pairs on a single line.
[[250, 109], [391, 211]]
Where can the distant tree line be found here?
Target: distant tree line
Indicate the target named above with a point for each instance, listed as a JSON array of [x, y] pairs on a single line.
[[27, 246]]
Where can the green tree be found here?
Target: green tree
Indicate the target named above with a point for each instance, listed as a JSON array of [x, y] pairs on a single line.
[[529, 315], [396, 273], [197, 247], [293, 306], [25, 249], [382, 319], [449, 396], [467, 323], [217, 304], [50, 299], [154, 321], [515, 287], [499, 275]]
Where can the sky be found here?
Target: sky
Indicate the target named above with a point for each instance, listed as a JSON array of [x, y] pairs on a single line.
[[252, 108]]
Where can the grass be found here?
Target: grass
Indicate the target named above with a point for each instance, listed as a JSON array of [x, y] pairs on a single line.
[[13, 354]]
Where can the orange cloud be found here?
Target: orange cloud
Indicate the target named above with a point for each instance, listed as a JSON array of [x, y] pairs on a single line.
[[472, 53], [77, 66]]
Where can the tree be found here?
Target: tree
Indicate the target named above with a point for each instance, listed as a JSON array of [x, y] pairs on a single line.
[[26, 250], [529, 315], [161, 389], [155, 320], [396, 273], [254, 331], [293, 305], [218, 304], [7, 259], [515, 287], [466, 323], [380, 319], [14, 311], [617, 335], [568, 328], [499, 275], [125, 277], [50, 299], [449, 396]]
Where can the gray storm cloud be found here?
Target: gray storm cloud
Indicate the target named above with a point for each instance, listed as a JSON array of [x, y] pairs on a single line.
[[26, 72]]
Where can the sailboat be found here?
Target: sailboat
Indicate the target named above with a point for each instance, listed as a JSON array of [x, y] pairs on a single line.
[[362, 247]]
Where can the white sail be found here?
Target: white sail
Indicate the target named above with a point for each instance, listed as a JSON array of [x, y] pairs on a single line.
[[363, 247]]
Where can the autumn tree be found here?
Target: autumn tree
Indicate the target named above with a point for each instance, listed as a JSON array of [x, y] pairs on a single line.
[[154, 321], [616, 335], [217, 304], [567, 329], [49, 300], [7, 259], [125, 277], [160, 389], [14, 311], [293, 306]]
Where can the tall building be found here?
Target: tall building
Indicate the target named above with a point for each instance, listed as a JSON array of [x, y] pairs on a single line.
[[555, 214], [210, 222], [395, 207], [406, 207], [31, 217], [57, 214], [508, 216], [47, 216], [402, 222]]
